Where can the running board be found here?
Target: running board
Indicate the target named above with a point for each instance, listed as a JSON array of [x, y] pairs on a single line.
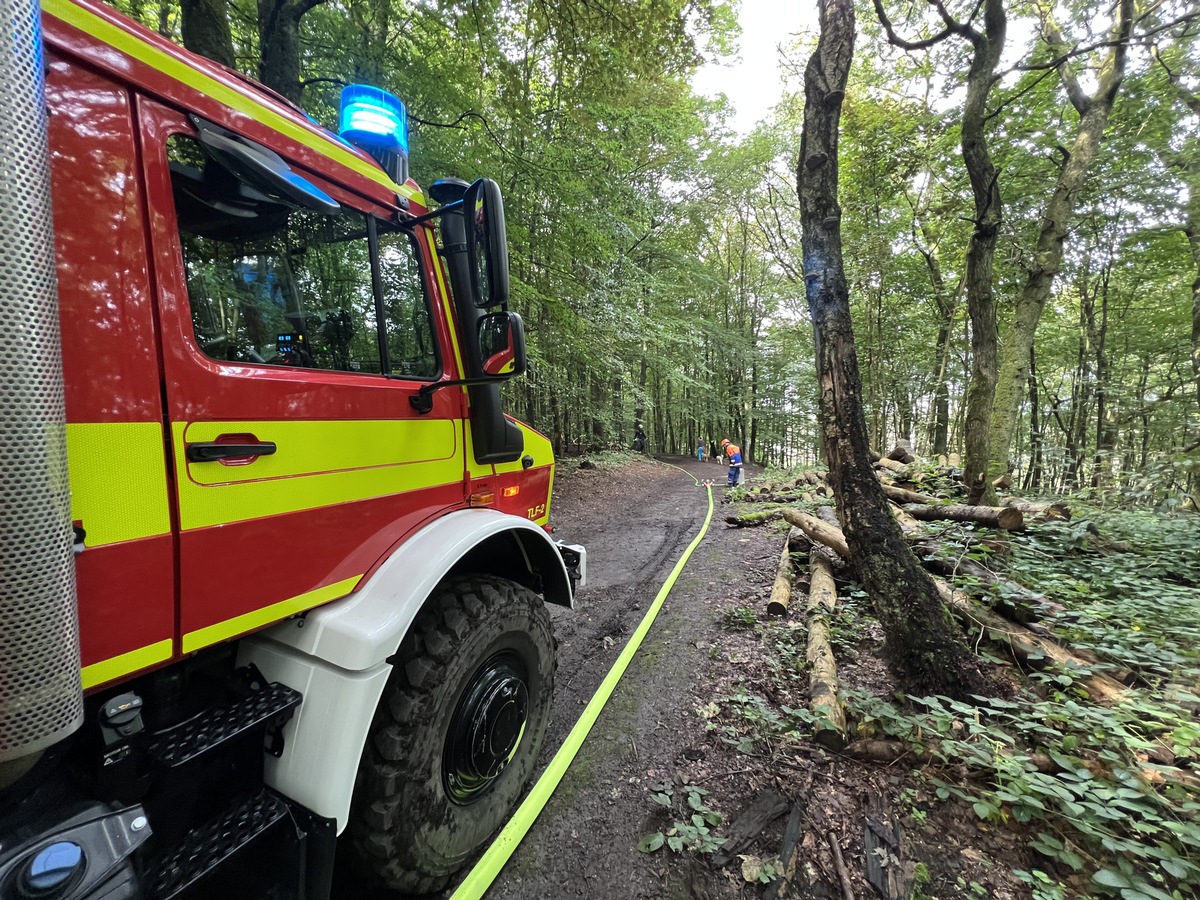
[[209, 846]]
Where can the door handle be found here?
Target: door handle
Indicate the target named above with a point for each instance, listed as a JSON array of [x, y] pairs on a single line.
[[208, 451]]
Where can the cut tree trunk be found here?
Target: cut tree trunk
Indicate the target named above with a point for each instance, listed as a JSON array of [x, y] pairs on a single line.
[[900, 495], [749, 520], [781, 590], [1028, 647], [1015, 601], [818, 531], [1003, 517], [902, 453], [822, 668], [1040, 510]]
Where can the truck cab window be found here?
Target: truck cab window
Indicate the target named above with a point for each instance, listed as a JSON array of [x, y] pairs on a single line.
[[271, 284]]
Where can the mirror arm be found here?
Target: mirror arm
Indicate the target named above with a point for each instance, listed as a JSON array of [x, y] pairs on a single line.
[[437, 213], [422, 400]]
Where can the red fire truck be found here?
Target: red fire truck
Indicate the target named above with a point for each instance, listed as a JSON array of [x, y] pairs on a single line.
[[274, 563]]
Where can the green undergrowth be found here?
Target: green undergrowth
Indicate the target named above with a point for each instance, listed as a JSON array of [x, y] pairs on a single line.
[[605, 460], [1099, 795]]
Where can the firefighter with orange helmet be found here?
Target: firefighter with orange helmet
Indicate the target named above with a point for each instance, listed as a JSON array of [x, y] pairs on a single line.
[[733, 453]]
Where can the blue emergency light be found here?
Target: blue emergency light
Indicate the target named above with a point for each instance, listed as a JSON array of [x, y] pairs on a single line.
[[376, 121]]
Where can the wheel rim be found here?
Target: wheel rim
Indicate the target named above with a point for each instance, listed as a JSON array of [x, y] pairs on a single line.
[[486, 728]]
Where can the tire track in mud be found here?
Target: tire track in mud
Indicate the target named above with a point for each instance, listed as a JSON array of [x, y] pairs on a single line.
[[634, 535]]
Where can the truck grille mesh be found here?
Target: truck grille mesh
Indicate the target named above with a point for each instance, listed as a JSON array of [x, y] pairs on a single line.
[[40, 697]]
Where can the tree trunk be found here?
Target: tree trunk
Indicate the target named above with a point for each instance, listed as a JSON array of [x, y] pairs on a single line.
[[981, 300], [205, 28], [922, 644], [1033, 479], [830, 728], [1046, 260], [279, 44], [1004, 517]]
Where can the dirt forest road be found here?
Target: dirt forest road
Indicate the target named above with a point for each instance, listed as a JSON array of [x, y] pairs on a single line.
[[635, 522]]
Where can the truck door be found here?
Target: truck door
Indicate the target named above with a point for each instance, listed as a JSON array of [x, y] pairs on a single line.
[[294, 332], [125, 564]]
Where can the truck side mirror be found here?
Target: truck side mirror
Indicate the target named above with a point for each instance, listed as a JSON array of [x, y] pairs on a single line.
[[487, 243], [502, 345]]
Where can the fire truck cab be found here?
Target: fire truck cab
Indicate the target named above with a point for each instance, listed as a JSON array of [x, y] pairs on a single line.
[[309, 550]]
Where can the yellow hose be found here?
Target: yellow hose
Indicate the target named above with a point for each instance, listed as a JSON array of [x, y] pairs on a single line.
[[480, 878]]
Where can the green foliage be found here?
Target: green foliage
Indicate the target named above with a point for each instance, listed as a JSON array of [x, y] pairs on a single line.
[[1136, 610], [740, 618], [691, 830], [1091, 808]]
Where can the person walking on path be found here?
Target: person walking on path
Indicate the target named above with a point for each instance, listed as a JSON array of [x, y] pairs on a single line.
[[734, 454], [700, 452]]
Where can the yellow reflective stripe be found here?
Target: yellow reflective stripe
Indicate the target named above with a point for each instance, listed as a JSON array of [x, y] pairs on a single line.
[[213, 634], [317, 464], [118, 480], [447, 306], [111, 669], [539, 447], [134, 46]]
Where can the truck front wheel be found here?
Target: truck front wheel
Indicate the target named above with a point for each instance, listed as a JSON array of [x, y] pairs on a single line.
[[456, 733]]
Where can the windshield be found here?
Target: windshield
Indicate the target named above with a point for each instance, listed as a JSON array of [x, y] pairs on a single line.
[[273, 285]]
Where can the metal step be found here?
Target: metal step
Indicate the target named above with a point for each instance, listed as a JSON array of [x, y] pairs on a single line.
[[212, 844], [268, 707]]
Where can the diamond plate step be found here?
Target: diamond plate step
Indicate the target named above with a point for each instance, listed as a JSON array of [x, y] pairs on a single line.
[[208, 846], [273, 705]]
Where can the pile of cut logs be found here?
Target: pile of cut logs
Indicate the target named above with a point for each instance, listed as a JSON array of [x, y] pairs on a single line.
[[1015, 620]]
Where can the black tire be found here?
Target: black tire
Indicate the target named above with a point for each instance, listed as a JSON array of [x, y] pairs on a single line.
[[414, 822]]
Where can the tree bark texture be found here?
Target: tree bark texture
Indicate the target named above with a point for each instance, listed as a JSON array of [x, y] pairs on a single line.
[[279, 44], [204, 25], [1004, 517], [781, 590], [922, 644], [1047, 258], [822, 667], [981, 301]]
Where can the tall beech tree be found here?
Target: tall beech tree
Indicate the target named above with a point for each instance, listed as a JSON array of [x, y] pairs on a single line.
[[923, 645], [987, 44], [1045, 262]]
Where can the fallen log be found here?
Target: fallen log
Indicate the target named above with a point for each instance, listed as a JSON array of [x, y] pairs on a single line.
[[888, 752], [901, 495], [911, 527], [1013, 600], [750, 520], [822, 667], [821, 532], [902, 453], [781, 590], [1023, 643], [1026, 646], [779, 497], [1044, 510], [798, 540], [891, 465], [1003, 517], [829, 514]]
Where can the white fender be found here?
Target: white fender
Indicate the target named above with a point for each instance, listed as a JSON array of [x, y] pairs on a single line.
[[337, 655]]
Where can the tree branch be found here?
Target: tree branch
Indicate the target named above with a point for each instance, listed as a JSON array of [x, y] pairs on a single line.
[[897, 41]]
